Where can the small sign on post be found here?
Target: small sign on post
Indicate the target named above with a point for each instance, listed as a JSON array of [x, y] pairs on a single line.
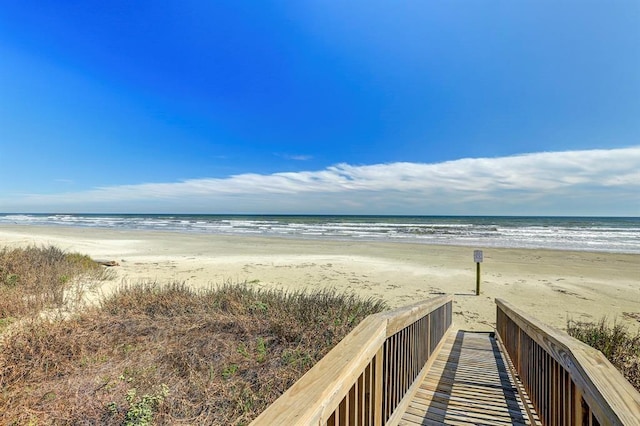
[[477, 257]]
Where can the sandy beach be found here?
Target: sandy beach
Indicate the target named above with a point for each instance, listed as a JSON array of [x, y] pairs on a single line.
[[552, 285]]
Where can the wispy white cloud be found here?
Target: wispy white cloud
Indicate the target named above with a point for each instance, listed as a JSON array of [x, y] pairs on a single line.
[[296, 157], [552, 182]]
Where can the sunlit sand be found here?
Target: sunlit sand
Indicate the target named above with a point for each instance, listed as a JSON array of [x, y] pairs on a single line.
[[552, 285]]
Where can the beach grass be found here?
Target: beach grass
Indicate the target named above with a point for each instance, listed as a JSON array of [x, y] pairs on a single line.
[[168, 354], [615, 341], [37, 279]]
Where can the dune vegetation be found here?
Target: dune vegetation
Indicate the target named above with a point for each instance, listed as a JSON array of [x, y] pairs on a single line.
[[616, 342], [34, 280], [154, 353]]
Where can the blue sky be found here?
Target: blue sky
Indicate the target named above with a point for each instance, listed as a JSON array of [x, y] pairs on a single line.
[[407, 107]]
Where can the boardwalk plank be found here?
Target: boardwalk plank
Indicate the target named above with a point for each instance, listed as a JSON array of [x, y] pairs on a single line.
[[468, 383]]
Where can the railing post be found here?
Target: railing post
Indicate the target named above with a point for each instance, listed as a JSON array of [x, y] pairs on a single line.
[[428, 335], [378, 384], [519, 332], [577, 406]]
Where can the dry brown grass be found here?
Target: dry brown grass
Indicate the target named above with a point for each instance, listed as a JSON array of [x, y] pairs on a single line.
[[34, 279], [620, 347], [170, 355]]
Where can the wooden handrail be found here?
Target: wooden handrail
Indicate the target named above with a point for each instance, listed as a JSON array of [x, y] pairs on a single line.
[[568, 382], [366, 377]]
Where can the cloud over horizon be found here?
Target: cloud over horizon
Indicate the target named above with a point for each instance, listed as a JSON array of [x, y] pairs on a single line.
[[602, 181]]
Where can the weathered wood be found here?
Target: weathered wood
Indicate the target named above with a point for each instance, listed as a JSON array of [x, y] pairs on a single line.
[[467, 384], [608, 395], [379, 380]]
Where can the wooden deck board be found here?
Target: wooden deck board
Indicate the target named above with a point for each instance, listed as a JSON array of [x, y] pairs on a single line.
[[468, 384]]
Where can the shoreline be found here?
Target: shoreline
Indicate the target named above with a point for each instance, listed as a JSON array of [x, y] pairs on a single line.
[[591, 234], [552, 285]]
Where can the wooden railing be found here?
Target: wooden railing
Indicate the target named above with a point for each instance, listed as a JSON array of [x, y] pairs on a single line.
[[568, 382], [367, 377]]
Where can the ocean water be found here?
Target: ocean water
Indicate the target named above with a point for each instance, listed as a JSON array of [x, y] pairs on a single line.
[[605, 234]]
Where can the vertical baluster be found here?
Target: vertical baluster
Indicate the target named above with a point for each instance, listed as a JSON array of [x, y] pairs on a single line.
[[367, 395], [414, 349], [342, 413], [417, 352], [407, 362], [565, 397], [352, 405], [558, 392], [426, 338], [399, 365], [331, 421], [525, 375], [396, 373], [545, 395], [542, 379], [553, 392], [388, 383], [360, 396], [402, 351], [402, 366], [410, 357], [432, 331], [377, 383], [580, 408], [586, 414], [561, 400], [530, 376], [541, 382], [420, 335], [392, 377], [518, 344], [549, 398], [572, 401]]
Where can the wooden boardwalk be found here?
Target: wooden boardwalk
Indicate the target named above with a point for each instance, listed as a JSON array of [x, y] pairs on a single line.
[[410, 366], [469, 383]]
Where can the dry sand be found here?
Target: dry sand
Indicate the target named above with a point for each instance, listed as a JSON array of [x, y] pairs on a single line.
[[551, 285]]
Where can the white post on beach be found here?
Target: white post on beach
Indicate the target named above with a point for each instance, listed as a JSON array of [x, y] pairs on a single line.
[[477, 257]]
